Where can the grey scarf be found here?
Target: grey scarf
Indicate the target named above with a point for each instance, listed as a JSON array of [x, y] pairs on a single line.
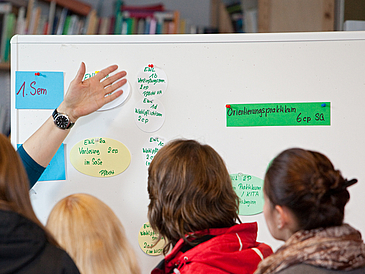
[[339, 248]]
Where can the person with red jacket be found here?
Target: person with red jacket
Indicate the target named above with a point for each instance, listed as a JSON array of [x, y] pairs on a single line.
[[194, 208]]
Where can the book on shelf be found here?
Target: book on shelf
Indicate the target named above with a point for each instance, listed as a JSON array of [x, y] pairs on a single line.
[[104, 25], [9, 11], [61, 21], [66, 25], [118, 23], [72, 25], [51, 17], [91, 23], [34, 21], [29, 15], [235, 12], [8, 30], [149, 19], [20, 23]]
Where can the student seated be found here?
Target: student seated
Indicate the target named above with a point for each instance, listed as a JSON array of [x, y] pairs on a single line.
[[25, 245], [305, 198], [194, 207], [92, 234]]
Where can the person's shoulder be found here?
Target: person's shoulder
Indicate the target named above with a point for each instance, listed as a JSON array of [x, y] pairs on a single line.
[[52, 260], [57, 260], [305, 269]]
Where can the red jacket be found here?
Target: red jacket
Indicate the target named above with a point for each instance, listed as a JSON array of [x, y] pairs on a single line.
[[232, 250]]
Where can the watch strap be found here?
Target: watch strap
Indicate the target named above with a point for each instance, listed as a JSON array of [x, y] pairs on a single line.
[[56, 113]]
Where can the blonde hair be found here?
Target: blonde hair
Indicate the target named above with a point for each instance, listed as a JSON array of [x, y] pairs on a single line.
[[92, 234]]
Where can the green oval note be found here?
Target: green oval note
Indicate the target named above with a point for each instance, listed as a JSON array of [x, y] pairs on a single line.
[[250, 191]]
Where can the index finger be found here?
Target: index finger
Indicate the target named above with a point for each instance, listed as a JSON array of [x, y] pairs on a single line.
[[104, 72]]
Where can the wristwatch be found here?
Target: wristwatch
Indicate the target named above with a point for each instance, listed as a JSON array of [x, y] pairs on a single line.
[[61, 120]]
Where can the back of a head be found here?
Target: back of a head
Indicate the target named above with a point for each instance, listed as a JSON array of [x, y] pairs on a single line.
[[190, 190], [14, 186], [307, 183], [92, 235]]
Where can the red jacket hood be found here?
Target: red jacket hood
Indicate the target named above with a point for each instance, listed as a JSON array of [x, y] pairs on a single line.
[[232, 250]]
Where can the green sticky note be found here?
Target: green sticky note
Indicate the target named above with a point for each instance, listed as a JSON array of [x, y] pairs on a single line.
[[279, 114], [249, 189]]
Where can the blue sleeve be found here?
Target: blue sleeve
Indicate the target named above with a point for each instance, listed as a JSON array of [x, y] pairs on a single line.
[[33, 169]]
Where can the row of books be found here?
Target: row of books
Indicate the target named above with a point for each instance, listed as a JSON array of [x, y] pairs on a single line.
[[124, 23], [40, 17], [8, 26], [152, 19]]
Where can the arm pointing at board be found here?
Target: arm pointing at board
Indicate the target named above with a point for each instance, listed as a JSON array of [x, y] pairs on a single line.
[[82, 98]]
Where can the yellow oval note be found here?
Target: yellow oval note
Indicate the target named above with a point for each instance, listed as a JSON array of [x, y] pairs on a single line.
[[147, 241], [100, 157]]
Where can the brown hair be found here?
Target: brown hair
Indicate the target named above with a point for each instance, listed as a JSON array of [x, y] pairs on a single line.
[[190, 190], [93, 235], [306, 182], [14, 186]]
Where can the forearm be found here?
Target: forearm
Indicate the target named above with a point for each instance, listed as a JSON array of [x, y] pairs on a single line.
[[33, 169], [82, 98], [44, 143]]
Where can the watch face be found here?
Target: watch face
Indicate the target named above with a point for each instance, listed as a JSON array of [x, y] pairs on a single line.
[[61, 121]]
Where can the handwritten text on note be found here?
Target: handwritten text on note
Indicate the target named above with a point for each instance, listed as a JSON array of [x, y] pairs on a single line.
[[38, 90], [279, 114]]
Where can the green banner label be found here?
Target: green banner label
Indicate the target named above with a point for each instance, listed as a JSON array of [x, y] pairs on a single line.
[[279, 114]]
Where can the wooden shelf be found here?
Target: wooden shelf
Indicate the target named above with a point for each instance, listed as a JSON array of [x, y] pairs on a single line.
[[74, 6]]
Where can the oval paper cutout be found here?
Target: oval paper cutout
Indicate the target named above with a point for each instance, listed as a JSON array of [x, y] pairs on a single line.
[[100, 157], [147, 239], [250, 191], [120, 100], [149, 150], [149, 115], [151, 81]]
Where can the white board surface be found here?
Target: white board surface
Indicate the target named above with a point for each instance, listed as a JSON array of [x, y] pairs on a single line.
[[205, 72]]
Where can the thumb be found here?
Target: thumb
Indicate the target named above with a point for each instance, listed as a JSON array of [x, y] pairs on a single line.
[[80, 73]]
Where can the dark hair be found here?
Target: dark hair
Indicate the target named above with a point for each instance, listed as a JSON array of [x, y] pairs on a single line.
[[306, 182], [190, 190], [14, 186]]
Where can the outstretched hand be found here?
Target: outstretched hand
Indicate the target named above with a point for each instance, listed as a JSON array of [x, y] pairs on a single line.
[[85, 97]]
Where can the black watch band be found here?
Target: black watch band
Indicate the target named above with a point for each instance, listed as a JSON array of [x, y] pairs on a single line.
[[61, 120]]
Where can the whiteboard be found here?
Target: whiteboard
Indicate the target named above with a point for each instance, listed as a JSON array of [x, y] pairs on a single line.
[[205, 72]]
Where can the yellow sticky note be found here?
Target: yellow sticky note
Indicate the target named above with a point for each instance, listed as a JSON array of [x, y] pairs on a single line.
[[147, 240], [100, 157]]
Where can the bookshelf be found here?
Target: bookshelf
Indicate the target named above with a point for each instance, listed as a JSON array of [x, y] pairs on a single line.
[[69, 17], [34, 17]]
